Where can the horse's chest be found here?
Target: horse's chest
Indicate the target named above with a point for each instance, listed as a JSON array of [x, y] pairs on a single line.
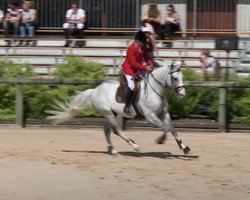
[[155, 107]]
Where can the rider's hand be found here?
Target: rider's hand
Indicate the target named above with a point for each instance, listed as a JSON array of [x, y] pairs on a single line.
[[149, 68]]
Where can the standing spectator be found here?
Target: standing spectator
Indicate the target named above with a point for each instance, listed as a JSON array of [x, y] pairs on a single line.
[[28, 21], [12, 19], [151, 42], [75, 19], [209, 65], [172, 21]]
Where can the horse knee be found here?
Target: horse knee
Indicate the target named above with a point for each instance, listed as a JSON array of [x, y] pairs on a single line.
[[107, 129]]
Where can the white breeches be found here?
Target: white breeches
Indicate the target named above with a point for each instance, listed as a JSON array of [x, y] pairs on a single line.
[[131, 82], [68, 25]]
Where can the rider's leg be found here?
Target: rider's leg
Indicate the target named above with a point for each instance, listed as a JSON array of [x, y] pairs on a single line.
[[129, 94]]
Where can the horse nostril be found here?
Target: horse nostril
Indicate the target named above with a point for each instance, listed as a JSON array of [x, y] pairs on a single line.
[[181, 95]]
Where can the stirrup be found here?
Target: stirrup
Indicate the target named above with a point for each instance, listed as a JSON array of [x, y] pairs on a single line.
[[127, 110]]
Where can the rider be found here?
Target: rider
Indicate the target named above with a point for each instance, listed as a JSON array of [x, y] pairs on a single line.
[[136, 52]]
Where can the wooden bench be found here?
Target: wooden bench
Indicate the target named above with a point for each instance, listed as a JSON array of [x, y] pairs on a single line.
[[132, 31], [187, 43]]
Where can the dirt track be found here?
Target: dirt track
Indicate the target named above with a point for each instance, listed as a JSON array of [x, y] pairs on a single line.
[[60, 164]]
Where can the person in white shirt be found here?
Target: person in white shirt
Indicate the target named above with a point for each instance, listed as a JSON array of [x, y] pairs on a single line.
[[28, 21], [75, 19], [209, 65]]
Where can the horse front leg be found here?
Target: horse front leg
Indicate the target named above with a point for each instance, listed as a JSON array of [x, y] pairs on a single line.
[[163, 137], [182, 146], [166, 126]]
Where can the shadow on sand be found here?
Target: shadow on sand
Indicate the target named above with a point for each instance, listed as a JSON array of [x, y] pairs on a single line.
[[164, 155]]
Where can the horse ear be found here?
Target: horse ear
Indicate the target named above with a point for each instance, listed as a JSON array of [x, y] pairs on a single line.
[[176, 67]]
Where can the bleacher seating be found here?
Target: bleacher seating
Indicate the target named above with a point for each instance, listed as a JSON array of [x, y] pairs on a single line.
[[109, 51]]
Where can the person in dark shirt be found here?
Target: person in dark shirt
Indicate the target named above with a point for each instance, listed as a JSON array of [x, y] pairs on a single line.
[[12, 20]]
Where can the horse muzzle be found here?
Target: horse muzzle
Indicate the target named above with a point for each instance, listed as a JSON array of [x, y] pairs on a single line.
[[181, 92]]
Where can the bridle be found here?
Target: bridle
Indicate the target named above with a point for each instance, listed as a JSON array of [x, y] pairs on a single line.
[[176, 89]]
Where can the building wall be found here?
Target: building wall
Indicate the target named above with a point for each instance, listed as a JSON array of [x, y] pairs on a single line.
[[243, 16]]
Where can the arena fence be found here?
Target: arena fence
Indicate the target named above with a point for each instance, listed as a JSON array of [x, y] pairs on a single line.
[[19, 82]]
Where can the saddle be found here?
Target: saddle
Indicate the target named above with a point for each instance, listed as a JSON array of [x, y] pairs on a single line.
[[121, 90]]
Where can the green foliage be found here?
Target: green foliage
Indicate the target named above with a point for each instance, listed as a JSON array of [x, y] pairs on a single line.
[[7, 92], [38, 98], [75, 67], [239, 103], [238, 100]]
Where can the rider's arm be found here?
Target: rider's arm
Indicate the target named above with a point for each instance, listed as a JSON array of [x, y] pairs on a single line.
[[131, 54]]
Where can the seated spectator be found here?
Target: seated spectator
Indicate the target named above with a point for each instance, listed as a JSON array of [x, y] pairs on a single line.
[[75, 19], [12, 19], [153, 17], [28, 22], [151, 42], [172, 21], [209, 65], [1, 16]]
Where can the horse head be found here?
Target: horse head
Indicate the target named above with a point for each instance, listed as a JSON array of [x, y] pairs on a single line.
[[176, 78]]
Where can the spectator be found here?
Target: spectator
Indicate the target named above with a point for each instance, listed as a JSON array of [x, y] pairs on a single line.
[[1, 16], [12, 19], [209, 65], [172, 21], [75, 19], [153, 17], [28, 22]]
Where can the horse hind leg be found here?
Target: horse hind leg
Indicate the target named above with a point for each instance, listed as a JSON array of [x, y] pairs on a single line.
[[117, 130], [161, 139], [107, 132]]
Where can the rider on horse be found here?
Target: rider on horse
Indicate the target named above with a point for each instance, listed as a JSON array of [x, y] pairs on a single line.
[[136, 52]]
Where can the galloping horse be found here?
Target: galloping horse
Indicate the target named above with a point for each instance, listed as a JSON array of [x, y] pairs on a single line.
[[151, 104]]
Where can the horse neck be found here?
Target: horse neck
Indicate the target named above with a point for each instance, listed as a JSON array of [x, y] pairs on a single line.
[[158, 76]]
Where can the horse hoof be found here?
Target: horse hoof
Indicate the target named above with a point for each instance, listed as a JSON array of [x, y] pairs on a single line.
[[136, 148], [112, 151], [160, 140], [186, 150]]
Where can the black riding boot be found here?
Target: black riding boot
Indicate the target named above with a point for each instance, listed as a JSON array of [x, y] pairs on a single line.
[[129, 94]]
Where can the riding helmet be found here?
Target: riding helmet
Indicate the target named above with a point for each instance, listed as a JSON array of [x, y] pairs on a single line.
[[141, 37]]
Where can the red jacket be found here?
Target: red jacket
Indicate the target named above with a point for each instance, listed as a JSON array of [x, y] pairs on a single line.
[[133, 61]]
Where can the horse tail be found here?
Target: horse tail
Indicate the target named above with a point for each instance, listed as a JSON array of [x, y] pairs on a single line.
[[65, 111]]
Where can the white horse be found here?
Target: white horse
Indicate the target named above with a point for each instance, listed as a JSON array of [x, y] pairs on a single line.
[[152, 104]]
